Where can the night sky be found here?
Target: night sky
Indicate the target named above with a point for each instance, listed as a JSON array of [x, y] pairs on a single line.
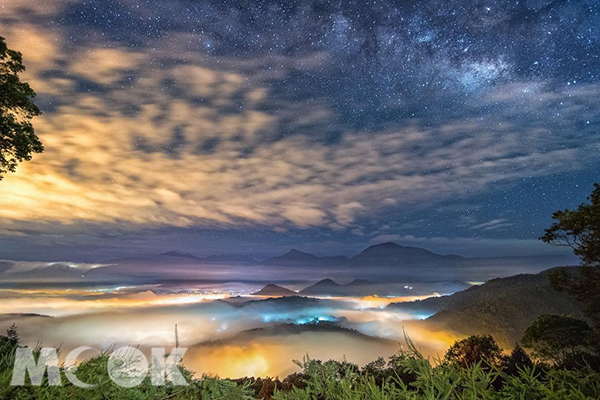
[[257, 126]]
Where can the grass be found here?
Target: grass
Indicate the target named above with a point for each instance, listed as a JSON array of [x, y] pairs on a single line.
[[407, 375]]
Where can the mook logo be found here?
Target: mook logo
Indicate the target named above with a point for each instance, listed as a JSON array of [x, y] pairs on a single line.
[[127, 366]]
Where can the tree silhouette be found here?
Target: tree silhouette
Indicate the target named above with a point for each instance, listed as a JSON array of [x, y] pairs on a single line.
[[555, 338], [474, 349], [12, 335], [518, 359], [18, 140], [580, 230]]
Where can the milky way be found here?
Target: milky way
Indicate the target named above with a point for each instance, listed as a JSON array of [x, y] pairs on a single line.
[[376, 61]]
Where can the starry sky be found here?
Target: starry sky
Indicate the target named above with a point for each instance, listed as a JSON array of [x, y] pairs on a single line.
[[256, 126]]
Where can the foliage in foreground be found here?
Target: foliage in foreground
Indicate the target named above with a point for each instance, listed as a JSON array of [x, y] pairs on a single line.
[[579, 229], [410, 376], [445, 381], [472, 368]]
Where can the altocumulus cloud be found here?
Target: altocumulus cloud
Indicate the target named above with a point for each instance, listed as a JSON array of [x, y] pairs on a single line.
[[183, 139]]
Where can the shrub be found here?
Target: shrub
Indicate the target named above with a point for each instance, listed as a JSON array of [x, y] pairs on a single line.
[[556, 338]]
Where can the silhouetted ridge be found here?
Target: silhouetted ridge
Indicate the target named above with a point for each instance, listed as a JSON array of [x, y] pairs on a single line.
[[504, 307], [392, 253], [380, 255], [299, 258], [274, 290], [326, 283], [327, 287]]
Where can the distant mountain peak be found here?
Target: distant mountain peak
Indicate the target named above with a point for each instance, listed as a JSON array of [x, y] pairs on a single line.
[[296, 253], [295, 257], [395, 253], [273, 286], [326, 282], [390, 245], [328, 287], [274, 290]]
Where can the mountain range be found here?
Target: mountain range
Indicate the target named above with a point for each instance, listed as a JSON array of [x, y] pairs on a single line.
[[503, 306], [386, 262], [385, 254], [391, 261], [325, 287]]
